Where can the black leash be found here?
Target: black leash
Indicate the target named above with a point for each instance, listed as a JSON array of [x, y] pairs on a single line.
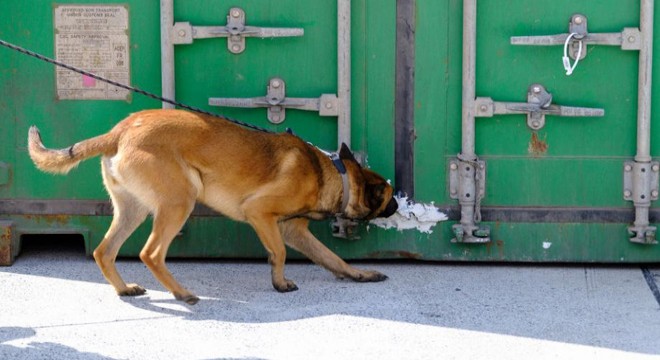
[[127, 87]]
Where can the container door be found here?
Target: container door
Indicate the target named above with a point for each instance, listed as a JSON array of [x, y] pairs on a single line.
[[282, 52], [559, 152]]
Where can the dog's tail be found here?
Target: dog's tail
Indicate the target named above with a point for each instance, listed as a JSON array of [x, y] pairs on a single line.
[[60, 161]]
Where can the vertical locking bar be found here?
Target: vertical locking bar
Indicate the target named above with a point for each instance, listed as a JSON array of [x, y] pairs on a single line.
[[467, 183], [469, 167], [167, 51], [343, 228], [641, 231], [344, 71], [469, 78], [645, 81]]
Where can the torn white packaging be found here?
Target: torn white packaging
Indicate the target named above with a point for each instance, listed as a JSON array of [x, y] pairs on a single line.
[[411, 215]]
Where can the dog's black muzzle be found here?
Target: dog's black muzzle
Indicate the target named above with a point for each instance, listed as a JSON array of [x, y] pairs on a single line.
[[390, 209]]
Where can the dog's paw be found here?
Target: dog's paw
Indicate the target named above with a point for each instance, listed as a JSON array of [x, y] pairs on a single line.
[[189, 299], [369, 276], [287, 286], [132, 290]]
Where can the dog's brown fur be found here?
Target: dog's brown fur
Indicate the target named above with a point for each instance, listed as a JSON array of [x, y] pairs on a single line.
[[161, 162]]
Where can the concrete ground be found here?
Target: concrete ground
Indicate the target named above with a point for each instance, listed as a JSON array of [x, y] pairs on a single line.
[[55, 304]]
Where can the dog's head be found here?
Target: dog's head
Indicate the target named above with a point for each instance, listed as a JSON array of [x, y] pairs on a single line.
[[371, 196]]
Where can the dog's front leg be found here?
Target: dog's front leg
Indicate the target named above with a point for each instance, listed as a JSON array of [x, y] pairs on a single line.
[[297, 235], [269, 234]]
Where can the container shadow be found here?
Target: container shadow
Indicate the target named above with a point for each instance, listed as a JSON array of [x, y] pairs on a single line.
[[37, 350]]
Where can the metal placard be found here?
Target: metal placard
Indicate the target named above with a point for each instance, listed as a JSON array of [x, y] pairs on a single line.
[[94, 38]]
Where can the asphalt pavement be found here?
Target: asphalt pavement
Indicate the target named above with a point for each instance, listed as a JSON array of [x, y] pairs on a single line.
[[55, 304]]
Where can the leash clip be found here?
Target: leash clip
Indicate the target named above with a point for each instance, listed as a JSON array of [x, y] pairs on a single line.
[[338, 163]]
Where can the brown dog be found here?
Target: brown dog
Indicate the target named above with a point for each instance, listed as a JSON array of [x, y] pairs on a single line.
[[161, 162]]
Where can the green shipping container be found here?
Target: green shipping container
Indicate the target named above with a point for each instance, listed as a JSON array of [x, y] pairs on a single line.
[[467, 106]]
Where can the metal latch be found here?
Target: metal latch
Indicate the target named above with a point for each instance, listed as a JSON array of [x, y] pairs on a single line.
[[578, 35], [640, 185], [538, 105], [235, 31], [277, 102]]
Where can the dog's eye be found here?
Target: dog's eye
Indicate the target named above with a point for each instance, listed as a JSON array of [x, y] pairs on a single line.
[[375, 196]]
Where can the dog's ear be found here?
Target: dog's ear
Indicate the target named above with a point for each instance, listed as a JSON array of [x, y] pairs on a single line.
[[345, 153]]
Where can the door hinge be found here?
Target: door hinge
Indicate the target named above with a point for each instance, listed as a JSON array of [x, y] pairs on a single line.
[[467, 184], [640, 185]]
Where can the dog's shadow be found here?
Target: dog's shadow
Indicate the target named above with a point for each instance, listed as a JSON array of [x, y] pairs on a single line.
[[234, 291]]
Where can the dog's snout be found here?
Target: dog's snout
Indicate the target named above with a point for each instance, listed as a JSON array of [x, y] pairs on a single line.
[[390, 209]]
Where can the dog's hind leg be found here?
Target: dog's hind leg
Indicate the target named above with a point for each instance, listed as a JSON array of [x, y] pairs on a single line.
[[128, 215], [297, 235], [168, 221]]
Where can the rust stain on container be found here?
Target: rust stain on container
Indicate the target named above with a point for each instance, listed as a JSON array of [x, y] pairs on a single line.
[[500, 248], [5, 245], [537, 147], [50, 219], [396, 254]]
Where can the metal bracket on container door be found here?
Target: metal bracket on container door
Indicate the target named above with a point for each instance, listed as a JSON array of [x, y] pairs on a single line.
[[277, 102], [640, 185], [579, 37], [538, 105], [235, 31], [467, 184], [344, 228]]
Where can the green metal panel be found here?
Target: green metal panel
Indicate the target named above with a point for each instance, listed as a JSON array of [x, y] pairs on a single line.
[[204, 69], [572, 163]]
